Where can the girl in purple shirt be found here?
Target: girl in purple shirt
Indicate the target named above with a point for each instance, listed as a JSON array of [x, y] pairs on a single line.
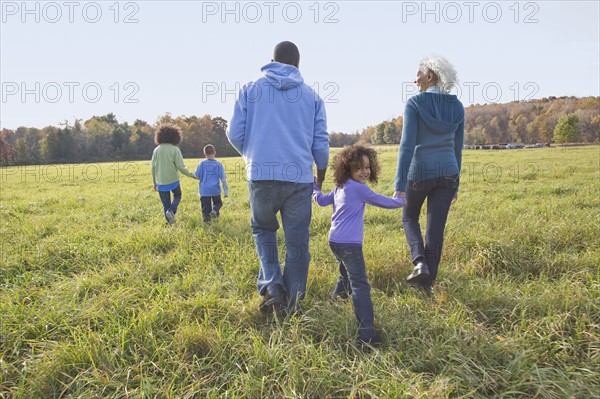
[[353, 167]]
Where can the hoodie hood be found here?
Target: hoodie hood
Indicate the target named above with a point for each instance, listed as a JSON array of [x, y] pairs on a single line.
[[432, 138], [282, 76], [441, 113]]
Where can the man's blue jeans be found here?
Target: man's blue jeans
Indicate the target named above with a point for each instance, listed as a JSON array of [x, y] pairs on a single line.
[[439, 193], [352, 267], [165, 197], [293, 201]]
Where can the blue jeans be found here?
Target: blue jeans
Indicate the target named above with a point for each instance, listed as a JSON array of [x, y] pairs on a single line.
[[439, 193], [209, 204], [352, 267], [165, 197], [293, 202]]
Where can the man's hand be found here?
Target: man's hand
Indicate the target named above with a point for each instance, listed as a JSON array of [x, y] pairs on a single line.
[[320, 178], [399, 194], [315, 185]]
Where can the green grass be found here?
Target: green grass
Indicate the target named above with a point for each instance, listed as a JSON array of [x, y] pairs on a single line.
[[99, 298]]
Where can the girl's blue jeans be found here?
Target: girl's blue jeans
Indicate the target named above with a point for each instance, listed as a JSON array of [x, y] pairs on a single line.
[[352, 267]]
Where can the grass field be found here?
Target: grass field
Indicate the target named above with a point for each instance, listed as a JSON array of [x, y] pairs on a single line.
[[100, 299]]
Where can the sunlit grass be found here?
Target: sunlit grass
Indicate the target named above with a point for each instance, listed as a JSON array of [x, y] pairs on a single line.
[[100, 298]]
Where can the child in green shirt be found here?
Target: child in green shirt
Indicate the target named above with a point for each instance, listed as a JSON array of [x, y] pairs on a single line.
[[166, 164]]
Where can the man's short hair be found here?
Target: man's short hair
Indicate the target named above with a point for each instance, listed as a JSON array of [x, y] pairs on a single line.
[[287, 53]]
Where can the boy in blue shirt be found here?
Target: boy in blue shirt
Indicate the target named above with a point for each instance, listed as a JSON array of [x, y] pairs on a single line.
[[210, 173]]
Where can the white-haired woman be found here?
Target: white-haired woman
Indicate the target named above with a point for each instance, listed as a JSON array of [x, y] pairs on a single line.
[[429, 164]]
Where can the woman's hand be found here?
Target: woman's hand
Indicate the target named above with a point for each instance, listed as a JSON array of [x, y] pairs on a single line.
[[399, 194]]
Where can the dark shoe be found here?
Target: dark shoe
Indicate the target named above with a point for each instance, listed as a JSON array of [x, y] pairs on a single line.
[[294, 312], [419, 274], [371, 343], [342, 290], [426, 289], [340, 295], [273, 299]]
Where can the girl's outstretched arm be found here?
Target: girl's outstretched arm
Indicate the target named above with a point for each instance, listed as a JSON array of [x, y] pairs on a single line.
[[372, 198], [320, 198]]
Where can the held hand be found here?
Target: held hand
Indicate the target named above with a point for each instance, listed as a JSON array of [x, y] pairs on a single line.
[[320, 178], [316, 185], [454, 199], [400, 194], [155, 188]]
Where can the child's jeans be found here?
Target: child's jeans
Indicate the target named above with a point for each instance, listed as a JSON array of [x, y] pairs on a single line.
[[210, 204], [165, 197], [352, 267]]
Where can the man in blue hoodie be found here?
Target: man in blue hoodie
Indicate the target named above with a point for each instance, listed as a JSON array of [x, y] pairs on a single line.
[[279, 127]]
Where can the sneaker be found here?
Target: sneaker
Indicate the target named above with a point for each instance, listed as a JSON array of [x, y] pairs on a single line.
[[214, 214], [419, 274], [273, 299], [170, 217]]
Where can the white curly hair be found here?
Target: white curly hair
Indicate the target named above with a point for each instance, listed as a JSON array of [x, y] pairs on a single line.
[[443, 70]]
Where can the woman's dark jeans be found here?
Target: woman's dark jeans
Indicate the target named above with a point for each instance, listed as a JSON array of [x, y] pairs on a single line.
[[352, 267], [439, 193]]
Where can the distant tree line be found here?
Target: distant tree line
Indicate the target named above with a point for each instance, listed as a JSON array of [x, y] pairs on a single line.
[[103, 138], [534, 121], [559, 120]]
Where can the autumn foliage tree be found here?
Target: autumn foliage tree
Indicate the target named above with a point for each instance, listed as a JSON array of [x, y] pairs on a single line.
[[104, 138], [530, 121], [567, 129]]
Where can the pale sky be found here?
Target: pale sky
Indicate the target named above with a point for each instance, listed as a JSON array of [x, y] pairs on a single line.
[[139, 59]]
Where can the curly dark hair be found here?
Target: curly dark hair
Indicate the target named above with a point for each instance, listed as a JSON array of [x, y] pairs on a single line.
[[351, 158], [167, 133]]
